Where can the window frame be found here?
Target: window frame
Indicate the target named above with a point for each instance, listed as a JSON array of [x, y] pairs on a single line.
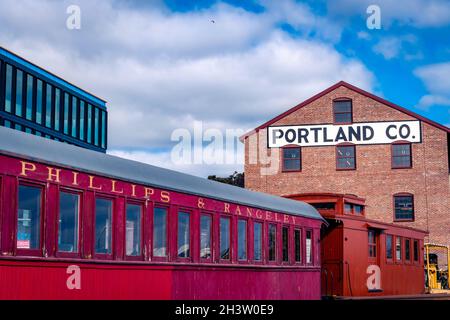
[[190, 213], [262, 260], [247, 237], [211, 237], [312, 247], [283, 168], [345, 144], [403, 194], [299, 229], [407, 260], [143, 226], [414, 260], [104, 256], [399, 261], [230, 244], [397, 143], [80, 194], [31, 252], [275, 261], [334, 111], [373, 245], [390, 260], [164, 258], [289, 246]]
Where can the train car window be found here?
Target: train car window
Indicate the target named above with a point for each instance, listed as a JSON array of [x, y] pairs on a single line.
[[205, 236], [407, 249], [66, 113], [103, 226], [308, 246], [242, 239], [19, 88], [96, 126], [89, 123], [285, 239], [69, 210], [297, 245], [39, 101], [103, 129], [257, 241], [82, 115], [398, 249], [372, 241], [48, 106], [57, 108], [183, 235], [8, 88], [74, 116], [29, 109], [133, 230], [29, 217], [272, 242], [416, 250], [389, 248], [225, 238], [160, 232]]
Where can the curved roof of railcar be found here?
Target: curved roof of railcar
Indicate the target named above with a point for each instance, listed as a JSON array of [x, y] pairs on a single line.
[[16, 143]]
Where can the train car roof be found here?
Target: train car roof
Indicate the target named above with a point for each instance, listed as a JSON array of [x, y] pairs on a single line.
[[20, 144]]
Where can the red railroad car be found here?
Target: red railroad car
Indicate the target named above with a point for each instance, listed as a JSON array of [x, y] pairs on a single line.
[[78, 224], [362, 257]]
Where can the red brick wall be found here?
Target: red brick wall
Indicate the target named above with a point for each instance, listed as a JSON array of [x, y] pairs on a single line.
[[374, 179]]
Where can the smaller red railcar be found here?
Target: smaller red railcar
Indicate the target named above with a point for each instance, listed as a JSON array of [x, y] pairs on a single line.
[[363, 257], [81, 224]]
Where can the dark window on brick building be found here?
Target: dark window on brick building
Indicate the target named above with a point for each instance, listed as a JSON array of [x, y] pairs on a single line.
[[345, 158], [292, 159], [342, 110], [403, 207], [401, 155]]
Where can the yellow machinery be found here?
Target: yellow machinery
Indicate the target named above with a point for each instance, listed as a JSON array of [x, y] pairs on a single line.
[[437, 274]]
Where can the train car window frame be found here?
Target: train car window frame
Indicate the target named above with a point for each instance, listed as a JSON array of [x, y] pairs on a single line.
[[182, 210], [262, 246], [312, 247], [230, 233], [398, 249], [246, 259], [288, 243], [268, 243], [407, 249], [164, 257], [416, 253], [31, 252], [299, 245], [211, 236], [392, 251], [104, 256], [140, 256], [372, 243], [68, 254]]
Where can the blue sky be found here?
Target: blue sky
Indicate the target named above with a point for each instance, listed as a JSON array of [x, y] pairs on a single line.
[[164, 65]]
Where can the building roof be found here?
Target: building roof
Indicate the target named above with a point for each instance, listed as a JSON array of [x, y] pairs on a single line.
[[20, 144], [356, 89], [48, 76]]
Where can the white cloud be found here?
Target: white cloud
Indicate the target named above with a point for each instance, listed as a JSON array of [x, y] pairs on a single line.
[[160, 70], [394, 47], [436, 80]]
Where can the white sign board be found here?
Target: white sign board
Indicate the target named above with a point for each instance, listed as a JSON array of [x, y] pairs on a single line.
[[357, 133]]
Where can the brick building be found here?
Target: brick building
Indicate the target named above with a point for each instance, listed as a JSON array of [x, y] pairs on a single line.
[[347, 141]]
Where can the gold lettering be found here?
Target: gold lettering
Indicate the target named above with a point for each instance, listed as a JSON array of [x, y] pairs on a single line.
[[75, 178], [285, 218], [238, 210], [27, 166], [165, 196], [226, 208], [133, 190], [148, 192], [52, 174], [91, 184], [114, 182], [268, 215], [276, 217], [258, 214], [250, 212], [293, 220]]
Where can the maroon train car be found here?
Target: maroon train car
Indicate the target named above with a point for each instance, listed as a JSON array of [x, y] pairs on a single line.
[[78, 224], [363, 257]]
